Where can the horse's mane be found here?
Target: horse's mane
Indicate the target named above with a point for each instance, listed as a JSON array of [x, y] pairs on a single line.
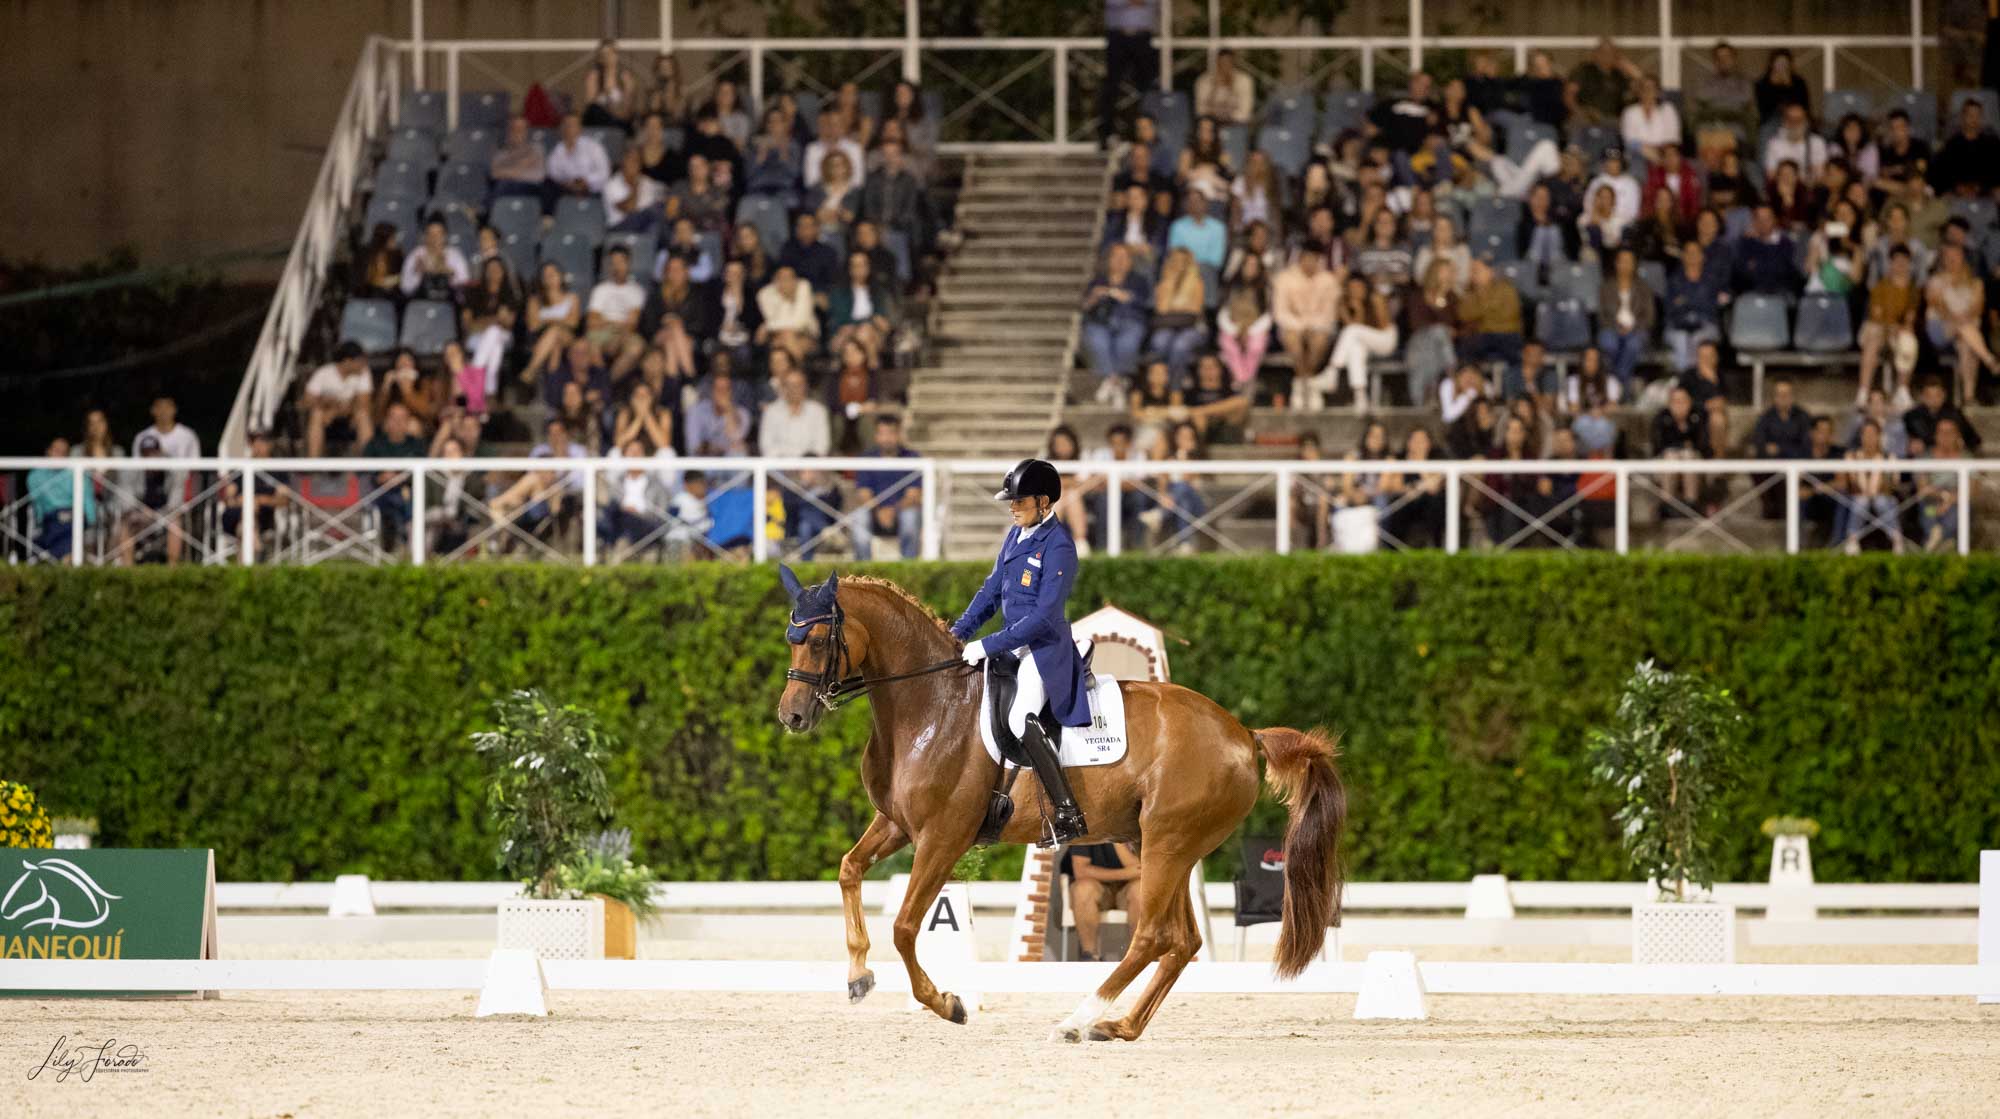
[[915, 603]]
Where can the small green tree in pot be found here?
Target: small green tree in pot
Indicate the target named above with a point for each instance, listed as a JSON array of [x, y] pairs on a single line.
[[1670, 754], [548, 791]]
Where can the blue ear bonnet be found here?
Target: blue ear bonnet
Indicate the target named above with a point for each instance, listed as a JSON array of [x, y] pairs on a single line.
[[811, 606]]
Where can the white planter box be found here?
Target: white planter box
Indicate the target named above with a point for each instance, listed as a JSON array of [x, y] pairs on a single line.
[[1687, 932], [554, 930]]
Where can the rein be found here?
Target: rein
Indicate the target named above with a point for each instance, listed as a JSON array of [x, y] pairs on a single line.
[[834, 691]]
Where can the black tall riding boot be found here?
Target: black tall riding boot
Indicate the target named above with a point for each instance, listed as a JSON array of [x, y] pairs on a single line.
[[1066, 819]]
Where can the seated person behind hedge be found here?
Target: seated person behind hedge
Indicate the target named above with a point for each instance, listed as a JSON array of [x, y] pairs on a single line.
[[794, 426], [1114, 322], [339, 397], [631, 199], [1680, 432], [397, 439], [862, 309], [1205, 237], [615, 304], [1921, 421], [1937, 491], [1489, 318], [1216, 408], [887, 502], [1305, 302], [636, 501], [539, 495], [814, 260], [1870, 504], [791, 321], [52, 491], [1178, 325], [435, 270]]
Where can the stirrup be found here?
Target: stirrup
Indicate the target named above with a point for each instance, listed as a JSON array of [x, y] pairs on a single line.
[[1063, 824]]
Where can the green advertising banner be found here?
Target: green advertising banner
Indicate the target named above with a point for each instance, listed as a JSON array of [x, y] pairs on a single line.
[[106, 905]]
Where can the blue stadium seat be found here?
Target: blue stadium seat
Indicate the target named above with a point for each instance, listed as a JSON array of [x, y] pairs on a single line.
[[1493, 215], [399, 212], [464, 182], [1825, 325], [1841, 102], [1654, 275], [400, 178], [582, 215], [575, 255], [422, 108], [809, 104], [1523, 276], [1922, 107], [1760, 323], [613, 140], [370, 324], [1169, 109], [1579, 281], [870, 101], [642, 248], [1495, 247], [1987, 100], [427, 325], [1523, 139], [768, 216], [545, 137], [1736, 220], [711, 247], [1289, 148], [516, 214], [1236, 144], [519, 249], [1979, 213], [1345, 109], [472, 145], [483, 109], [412, 145], [461, 225], [1291, 107], [1594, 139], [1563, 325]]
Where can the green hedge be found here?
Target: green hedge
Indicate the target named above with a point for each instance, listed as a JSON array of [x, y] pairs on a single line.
[[308, 722]]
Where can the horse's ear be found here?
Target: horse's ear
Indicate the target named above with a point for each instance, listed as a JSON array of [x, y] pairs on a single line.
[[790, 581], [833, 580]]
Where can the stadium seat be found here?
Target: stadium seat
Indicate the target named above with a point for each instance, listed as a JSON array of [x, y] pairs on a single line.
[[1496, 247], [471, 145], [1291, 107], [1759, 323], [870, 101], [768, 216], [412, 145], [575, 255], [1825, 325], [1594, 139], [1841, 102], [711, 247], [398, 212], [1736, 220], [1922, 107], [1345, 109], [583, 216], [1579, 281], [422, 108], [1563, 325], [1523, 139], [519, 249], [465, 183], [516, 214], [1236, 144], [427, 325], [1493, 215], [642, 248], [1169, 109], [461, 225], [370, 324], [1987, 100], [483, 109], [1289, 148], [1979, 213], [401, 179], [1523, 276], [1653, 274], [545, 137], [613, 140], [809, 106]]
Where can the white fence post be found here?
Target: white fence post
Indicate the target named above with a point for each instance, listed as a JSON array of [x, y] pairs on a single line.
[[1453, 510], [1284, 501], [590, 517], [933, 531], [1114, 510], [247, 528], [1989, 916], [1792, 510], [419, 517], [76, 516], [451, 88], [1062, 91], [1622, 513], [760, 519]]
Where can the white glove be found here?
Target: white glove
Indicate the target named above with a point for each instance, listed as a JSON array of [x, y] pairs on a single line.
[[974, 652]]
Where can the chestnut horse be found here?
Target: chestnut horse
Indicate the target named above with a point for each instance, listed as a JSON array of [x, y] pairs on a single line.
[[1188, 778]]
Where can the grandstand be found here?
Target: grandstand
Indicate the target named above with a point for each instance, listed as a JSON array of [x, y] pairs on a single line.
[[443, 202]]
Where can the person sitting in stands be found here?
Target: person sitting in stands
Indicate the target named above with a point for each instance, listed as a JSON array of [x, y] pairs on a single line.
[[1102, 876]]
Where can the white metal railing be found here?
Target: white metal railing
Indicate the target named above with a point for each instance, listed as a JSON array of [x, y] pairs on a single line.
[[371, 97], [378, 510]]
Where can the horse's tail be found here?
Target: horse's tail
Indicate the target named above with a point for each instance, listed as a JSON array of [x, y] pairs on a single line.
[[1301, 768]]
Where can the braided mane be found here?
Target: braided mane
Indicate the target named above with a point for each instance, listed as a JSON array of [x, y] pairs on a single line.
[[916, 604]]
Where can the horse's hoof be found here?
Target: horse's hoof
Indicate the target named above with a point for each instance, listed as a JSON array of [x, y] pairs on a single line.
[[858, 988], [1103, 1032], [954, 1010], [1066, 1032]]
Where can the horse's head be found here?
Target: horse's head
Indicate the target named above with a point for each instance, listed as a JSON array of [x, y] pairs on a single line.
[[827, 646]]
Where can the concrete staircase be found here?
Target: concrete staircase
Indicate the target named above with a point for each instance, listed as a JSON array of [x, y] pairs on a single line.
[[1004, 326]]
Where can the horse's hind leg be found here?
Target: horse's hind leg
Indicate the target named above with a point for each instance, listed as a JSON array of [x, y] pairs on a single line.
[[1185, 942], [882, 838], [1155, 935]]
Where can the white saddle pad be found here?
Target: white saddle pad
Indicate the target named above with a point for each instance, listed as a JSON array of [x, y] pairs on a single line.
[[1100, 743]]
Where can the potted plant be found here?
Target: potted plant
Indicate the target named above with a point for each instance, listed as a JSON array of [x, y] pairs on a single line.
[[23, 823], [606, 871], [75, 832], [1670, 754], [1791, 868], [547, 792]]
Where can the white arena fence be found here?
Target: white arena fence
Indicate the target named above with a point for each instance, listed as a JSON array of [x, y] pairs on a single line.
[[339, 508]]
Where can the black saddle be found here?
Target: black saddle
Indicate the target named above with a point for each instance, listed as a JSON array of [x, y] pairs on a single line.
[[1003, 682]]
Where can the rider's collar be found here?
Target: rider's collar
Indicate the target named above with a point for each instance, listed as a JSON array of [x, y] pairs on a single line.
[[1038, 525]]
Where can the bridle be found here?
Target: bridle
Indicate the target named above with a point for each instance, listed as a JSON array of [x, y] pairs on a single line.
[[830, 689]]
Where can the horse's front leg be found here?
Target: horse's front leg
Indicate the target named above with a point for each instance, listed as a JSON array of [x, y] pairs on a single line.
[[881, 839], [936, 855]]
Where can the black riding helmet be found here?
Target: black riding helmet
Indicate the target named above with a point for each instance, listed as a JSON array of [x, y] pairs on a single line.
[[1031, 477]]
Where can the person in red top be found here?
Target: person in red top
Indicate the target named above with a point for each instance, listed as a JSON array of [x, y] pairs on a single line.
[[1674, 172]]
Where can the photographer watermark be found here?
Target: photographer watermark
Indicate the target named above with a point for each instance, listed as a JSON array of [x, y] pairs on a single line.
[[85, 1060]]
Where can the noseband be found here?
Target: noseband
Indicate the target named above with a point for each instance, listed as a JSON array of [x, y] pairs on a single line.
[[830, 689]]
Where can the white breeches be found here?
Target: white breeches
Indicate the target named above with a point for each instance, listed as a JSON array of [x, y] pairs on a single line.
[[1029, 694]]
